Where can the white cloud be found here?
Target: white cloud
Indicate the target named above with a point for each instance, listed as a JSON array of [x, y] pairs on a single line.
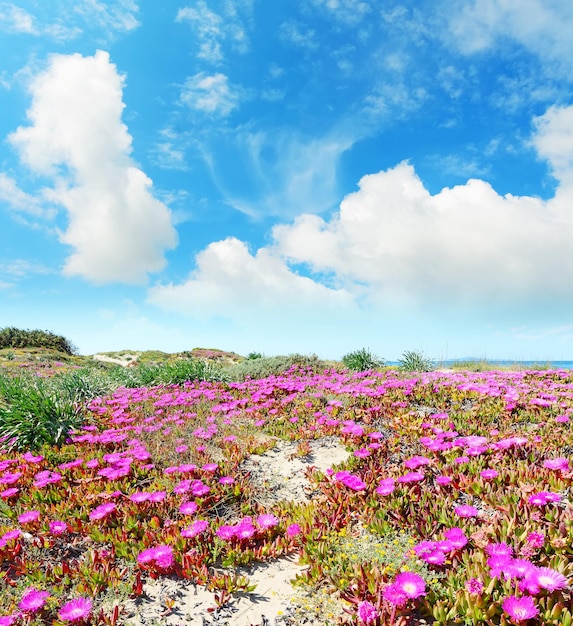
[[463, 246], [230, 282], [21, 201], [210, 94], [298, 35], [542, 26], [118, 230], [213, 29], [109, 15], [348, 12], [554, 140], [278, 173], [15, 20]]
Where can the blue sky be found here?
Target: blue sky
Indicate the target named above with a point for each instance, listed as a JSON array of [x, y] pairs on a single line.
[[313, 176]]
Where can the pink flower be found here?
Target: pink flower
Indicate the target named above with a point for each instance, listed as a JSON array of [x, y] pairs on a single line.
[[543, 497], [489, 474], [293, 530], [415, 462], [33, 600], [188, 508], [76, 610], [411, 477], [412, 585], [29, 516], [474, 586], [456, 536], [197, 527], [562, 419], [57, 527], [225, 532], [226, 480], [8, 620], [561, 464], [266, 520], [362, 453], [367, 612], [386, 487], [548, 578], [520, 609], [443, 480], [161, 555], [535, 539], [103, 510], [394, 595], [499, 549], [465, 510]]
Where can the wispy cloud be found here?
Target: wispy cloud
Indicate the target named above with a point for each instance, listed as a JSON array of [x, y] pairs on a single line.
[[117, 229], [215, 30], [210, 94], [277, 173], [542, 27], [16, 20], [21, 201]]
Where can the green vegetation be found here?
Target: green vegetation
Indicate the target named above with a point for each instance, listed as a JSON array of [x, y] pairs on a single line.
[[415, 361], [11, 337], [362, 361]]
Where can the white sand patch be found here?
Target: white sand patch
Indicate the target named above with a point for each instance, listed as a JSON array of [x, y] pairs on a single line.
[[122, 359], [195, 606], [280, 475]]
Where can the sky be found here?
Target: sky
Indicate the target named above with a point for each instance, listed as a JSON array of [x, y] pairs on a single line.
[[308, 176]]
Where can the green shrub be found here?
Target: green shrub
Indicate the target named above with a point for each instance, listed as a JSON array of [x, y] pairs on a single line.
[[362, 360], [414, 361], [11, 337], [266, 366], [32, 414]]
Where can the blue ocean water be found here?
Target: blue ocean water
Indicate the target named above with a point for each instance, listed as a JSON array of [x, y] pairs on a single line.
[[505, 363]]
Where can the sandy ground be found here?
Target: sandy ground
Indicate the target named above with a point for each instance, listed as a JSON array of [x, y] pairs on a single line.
[[124, 360], [278, 475]]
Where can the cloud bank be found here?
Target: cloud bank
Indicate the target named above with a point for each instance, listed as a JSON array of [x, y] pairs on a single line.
[[117, 229]]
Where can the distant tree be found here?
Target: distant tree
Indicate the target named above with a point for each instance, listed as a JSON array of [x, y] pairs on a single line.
[[11, 337]]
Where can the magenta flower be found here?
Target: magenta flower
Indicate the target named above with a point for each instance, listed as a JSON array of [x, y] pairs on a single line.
[[411, 477], [139, 496], [29, 517], [499, 549], [293, 530], [8, 493], [226, 480], [443, 480], [8, 620], [536, 540], [416, 461], [489, 474], [161, 555], [386, 487], [412, 585], [76, 610], [543, 497], [266, 520], [57, 527], [474, 586], [362, 453], [520, 609], [561, 464], [465, 510], [394, 595], [103, 510], [33, 600], [456, 536], [548, 578], [225, 532], [367, 612], [188, 508], [197, 527]]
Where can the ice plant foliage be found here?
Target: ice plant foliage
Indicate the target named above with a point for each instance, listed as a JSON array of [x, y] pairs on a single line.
[[454, 502]]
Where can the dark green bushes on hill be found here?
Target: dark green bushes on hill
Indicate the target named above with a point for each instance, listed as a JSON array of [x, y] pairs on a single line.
[[11, 337]]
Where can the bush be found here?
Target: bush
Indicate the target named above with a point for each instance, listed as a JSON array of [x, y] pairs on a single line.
[[413, 361], [362, 360], [266, 366], [11, 337], [32, 414]]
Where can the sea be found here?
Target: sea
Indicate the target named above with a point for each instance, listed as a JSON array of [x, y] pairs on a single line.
[[503, 363]]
